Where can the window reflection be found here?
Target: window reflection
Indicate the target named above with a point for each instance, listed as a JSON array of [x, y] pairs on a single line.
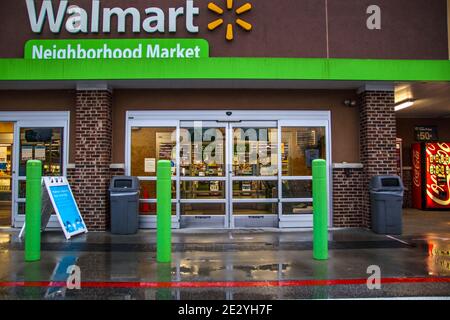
[[43, 144], [297, 208], [255, 151], [299, 147], [202, 152], [255, 189], [148, 145], [202, 189]]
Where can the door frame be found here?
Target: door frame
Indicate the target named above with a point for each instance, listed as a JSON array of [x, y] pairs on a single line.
[[34, 119], [149, 221], [306, 118], [12, 169], [302, 220]]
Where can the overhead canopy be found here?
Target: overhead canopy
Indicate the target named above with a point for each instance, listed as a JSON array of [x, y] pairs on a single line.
[[226, 69]]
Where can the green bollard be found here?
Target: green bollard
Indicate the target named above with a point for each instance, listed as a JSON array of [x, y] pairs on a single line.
[[164, 275], [163, 212], [33, 206], [320, 210]]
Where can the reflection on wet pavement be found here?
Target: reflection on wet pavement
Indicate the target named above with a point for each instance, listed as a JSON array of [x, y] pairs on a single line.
[[438, 261], [267, 257], [5, 238]]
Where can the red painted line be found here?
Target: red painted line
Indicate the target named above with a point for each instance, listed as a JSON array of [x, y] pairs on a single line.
[[227, 284]]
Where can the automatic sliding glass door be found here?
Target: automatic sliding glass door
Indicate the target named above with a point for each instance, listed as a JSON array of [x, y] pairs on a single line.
[[38, 141], [203, 175], [151, 142], [253, 170], [242, 174], [300, 144]]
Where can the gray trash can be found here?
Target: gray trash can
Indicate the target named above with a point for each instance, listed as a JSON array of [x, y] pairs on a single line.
[[124, 201], [386, 200]]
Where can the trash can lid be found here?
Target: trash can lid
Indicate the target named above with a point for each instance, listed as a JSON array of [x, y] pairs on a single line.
[[124, 183], [386, 183]]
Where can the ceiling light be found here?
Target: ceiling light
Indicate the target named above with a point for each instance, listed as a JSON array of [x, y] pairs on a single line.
[[404, 104]]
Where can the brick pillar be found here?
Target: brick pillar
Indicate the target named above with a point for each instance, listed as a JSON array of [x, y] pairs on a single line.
[[377, 140], [347, 197], [91, 176]]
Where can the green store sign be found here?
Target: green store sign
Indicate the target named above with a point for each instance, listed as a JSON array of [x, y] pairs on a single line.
[[116, 49]]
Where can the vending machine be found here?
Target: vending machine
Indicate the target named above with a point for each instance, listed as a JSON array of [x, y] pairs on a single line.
[[431, 175]]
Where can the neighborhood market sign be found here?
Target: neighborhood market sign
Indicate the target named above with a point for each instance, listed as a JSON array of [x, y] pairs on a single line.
[[90, 49]]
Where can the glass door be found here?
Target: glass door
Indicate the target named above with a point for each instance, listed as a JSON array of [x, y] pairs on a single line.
[[300, 144], [39, 142], [203, 176], [151, 142], [6, 169], [228, 174], [253, 168]]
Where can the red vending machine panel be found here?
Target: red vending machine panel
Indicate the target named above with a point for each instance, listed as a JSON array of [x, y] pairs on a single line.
[[416, 159], [431, 175], [437, 175]]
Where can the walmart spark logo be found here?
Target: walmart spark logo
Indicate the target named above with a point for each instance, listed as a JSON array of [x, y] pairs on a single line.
[[240, 22]]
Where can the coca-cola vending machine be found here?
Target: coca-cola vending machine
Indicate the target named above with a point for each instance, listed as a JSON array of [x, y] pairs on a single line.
[[431, 175]]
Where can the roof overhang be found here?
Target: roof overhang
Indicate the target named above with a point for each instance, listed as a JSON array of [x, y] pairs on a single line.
[[209, 70]]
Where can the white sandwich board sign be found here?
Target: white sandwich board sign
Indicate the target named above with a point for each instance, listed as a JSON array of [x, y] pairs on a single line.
[[57, 197]]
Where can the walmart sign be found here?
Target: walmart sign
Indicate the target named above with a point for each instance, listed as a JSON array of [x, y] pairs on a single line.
[[152, 20]]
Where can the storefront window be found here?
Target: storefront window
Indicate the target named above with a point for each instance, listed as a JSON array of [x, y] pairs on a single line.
[[202, 152], [297, 208], [148, 145], [148, 189], [202, 189], [149, 208], [299, 147], [228, 169], [202, 209], [297, 188], [255, 151], [45, 144], [253, 209], [255, 189]]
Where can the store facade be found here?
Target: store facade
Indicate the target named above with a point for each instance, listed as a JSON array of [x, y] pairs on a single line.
[[99, 88]]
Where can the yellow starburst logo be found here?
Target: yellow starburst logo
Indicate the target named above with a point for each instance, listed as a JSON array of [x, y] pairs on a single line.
[[240, 22]]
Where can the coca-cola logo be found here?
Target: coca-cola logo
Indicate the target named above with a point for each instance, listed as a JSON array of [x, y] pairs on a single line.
[[438, 169], [416, 166]]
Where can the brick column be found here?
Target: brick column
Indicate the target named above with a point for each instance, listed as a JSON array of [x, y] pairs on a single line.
[[377, 140], [347, 197], [91, 176]]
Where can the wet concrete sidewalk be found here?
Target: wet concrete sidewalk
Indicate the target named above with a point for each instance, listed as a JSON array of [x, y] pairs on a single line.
[[222, 264]]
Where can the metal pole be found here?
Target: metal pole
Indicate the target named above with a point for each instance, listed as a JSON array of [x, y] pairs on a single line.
[[33, 204], [320, 209], [164, 212]]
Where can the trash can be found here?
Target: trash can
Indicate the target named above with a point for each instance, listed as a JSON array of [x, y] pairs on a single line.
[[124, 201], [386, 201]]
